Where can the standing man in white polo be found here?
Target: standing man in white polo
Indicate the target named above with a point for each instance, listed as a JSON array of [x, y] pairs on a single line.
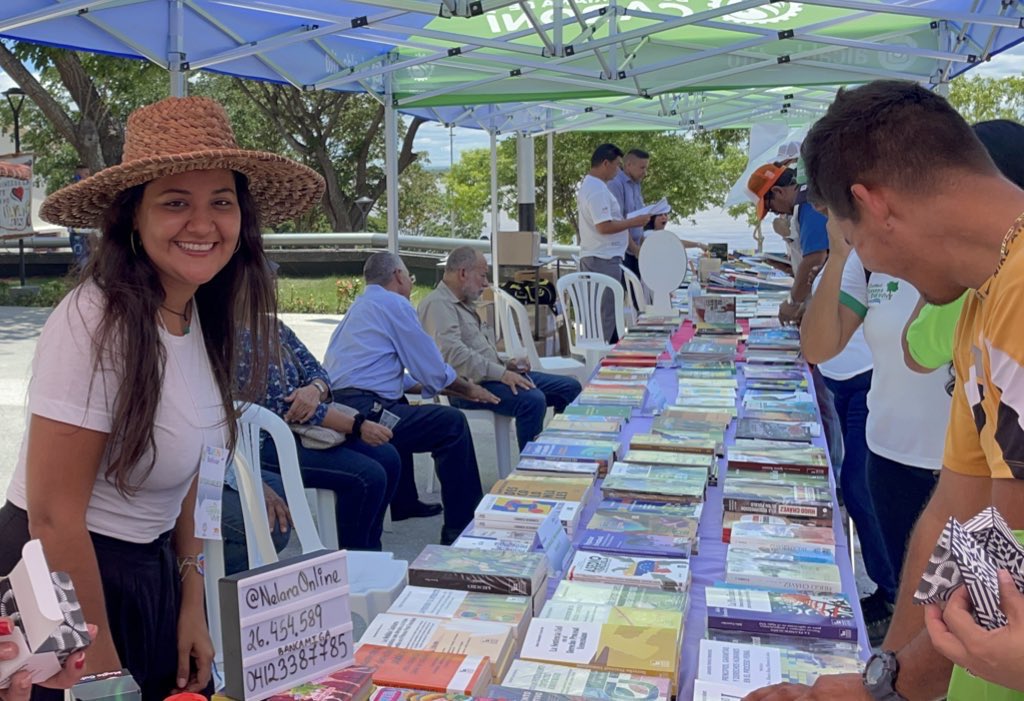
[[604, 234]]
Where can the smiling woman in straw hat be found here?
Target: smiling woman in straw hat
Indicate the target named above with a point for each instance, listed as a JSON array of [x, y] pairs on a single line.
[[132, 380]]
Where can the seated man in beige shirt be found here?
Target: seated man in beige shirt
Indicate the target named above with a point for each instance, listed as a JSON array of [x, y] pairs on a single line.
[[467, 344]]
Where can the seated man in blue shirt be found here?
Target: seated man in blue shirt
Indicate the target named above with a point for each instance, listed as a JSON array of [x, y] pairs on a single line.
[[467, 343], [367, 358]]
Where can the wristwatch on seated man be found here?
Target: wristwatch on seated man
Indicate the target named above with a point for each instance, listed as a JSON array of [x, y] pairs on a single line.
[[880, 675]]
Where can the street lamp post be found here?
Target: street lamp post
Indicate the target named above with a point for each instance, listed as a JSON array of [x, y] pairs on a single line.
[[365, 204], [16, 98]]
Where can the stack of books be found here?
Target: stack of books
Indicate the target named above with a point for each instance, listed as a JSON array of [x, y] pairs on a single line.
[[494, 642], [706, 350], [655, 529], [574, 683], [715, 314], [456, 605], [727, 670], [426, 670], [522, 501], [476, 537], [775, 378], [682, 485], [581, 451], [631, 395], [486, 571], [808, 621]]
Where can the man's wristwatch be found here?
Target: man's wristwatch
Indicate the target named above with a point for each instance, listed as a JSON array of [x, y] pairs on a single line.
[[880, 675], [357, 424]]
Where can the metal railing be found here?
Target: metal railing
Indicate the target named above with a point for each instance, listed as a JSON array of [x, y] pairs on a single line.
[[346, 240]]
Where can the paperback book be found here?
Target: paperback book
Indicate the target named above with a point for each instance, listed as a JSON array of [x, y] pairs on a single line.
[[514, 611], [558, 468], [621, 595], [778, 574], [486, 571], [599, 410], [429, 671], [587, 684], [662, 573], [606, 613], [780, 614], [748, 497], [778, 430]]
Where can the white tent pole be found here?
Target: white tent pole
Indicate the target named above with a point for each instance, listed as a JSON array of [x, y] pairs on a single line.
[[494, 206], [176, 55], [526, 181], [551, 193], [391, 162]]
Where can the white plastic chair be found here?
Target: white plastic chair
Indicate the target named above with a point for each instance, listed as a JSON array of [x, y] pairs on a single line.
[[375, 578], [581, 295], [502, 427], [515, 327], [637, 296]]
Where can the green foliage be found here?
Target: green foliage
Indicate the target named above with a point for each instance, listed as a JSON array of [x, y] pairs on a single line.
[[979, 98], [693, 171], [48, 292]]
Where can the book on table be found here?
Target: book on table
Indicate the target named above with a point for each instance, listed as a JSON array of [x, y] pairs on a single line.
[[430, 671], [493, 641], [514, 611], [558, 468], [352, 683], [486, 571], [778, 430], [741, 568], [780, 614], [622, 595], [589, 684], [560, 452], [599, 410], [661, 573], [781, 537], [537, 487], [605, 646], [523, 513]]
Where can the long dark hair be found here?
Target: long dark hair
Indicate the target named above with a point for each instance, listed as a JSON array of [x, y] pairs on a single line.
[[127, 341]]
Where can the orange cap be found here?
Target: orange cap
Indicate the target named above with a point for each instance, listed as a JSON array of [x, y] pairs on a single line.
[[762, 181]]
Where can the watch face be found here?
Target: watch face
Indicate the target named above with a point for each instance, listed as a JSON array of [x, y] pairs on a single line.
[[874, 672]]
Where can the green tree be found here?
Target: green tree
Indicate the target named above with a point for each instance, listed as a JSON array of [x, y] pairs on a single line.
[[693, 172], [979, 98]]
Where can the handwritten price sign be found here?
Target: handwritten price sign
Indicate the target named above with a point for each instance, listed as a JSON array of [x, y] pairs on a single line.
[[285, 624]]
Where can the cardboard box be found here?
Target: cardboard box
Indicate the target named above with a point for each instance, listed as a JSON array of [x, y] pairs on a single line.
[[518, 247]]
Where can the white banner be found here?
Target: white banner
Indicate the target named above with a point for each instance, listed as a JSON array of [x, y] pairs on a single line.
[[15, 196]]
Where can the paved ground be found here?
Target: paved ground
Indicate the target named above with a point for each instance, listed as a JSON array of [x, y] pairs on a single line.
[[20, 327]]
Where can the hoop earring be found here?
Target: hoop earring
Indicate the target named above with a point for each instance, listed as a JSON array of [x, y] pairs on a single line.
[[238, 246], [131, 242]]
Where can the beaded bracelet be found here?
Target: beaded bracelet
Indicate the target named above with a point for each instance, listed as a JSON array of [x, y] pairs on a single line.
[[198, 563]]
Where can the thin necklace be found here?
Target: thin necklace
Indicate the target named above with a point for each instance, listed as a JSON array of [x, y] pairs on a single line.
[[183, 315], [1008, 239]]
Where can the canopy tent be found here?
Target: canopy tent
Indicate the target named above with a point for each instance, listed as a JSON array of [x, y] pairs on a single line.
[[543, 66], [652, 64]]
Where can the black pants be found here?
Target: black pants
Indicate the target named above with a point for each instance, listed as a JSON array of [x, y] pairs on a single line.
[[900, 493], [142, 593], [441, 431]]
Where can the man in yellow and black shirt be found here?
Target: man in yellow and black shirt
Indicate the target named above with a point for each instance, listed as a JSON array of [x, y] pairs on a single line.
[[907, 183]]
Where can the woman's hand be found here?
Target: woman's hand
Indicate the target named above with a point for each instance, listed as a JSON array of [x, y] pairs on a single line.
[[195, 649], [21, 683], [304, 401], [374, 434]]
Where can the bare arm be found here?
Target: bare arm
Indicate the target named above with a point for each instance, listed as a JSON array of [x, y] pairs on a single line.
[[908, 358], [194, 645], [59, 489], [827, 325], [802, 277], [616, 226]]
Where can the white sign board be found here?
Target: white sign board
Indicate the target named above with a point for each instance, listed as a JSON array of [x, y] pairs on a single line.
[[285, 624], [15, 196]]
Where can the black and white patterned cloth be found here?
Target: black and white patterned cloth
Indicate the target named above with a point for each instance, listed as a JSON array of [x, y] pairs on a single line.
[[970, 554]]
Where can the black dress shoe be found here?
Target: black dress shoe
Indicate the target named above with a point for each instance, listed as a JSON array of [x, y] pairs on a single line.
[[418, 510], [449, 535]]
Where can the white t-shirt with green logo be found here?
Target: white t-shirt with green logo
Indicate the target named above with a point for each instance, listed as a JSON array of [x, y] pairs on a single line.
[[907, 412]]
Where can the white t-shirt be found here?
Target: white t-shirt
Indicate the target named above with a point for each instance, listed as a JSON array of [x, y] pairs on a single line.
[[907, 412], [64, 387], [595, 204], [852, 360]]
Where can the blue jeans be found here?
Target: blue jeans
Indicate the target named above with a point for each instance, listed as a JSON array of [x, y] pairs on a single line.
[[900, 493], [851, 402], [441, 431], [528, 406], [236, 557], [363, 479], [830, 423]]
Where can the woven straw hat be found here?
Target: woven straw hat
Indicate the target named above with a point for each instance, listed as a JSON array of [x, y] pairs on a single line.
[[179, 134]]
